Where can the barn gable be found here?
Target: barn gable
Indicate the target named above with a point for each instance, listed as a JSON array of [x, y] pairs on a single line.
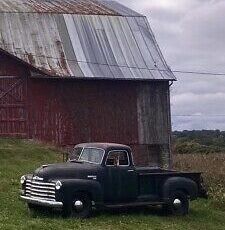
[[82, 39], [48, 48]]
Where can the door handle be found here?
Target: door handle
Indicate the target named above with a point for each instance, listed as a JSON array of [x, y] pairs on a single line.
[[130, 170]]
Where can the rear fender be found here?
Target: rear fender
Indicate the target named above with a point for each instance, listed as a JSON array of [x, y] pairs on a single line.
[[186, 185]]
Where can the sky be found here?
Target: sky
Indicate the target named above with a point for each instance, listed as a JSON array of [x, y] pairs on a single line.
[[191, 35]]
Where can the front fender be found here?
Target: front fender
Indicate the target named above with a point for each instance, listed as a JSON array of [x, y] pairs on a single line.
[[73, 186], [180, 184]]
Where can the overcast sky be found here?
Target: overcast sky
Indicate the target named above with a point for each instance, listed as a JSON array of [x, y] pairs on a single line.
[[191, 35]]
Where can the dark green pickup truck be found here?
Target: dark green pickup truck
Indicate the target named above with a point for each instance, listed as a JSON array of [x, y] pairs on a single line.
[[102, 175]]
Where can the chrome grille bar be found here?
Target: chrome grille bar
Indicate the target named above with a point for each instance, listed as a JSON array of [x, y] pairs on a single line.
[[46, 199], [37, 188], [40, 183], [41, 195], [40, 190], [41, 187]]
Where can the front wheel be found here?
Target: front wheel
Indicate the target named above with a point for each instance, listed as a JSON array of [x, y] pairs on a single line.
[[178, 204], [80, 207]]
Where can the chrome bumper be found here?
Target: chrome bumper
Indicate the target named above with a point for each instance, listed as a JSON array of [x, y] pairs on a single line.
[[42, 202]]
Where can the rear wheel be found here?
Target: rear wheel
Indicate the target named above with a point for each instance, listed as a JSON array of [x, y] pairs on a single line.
[[80, 207], [178, 204]]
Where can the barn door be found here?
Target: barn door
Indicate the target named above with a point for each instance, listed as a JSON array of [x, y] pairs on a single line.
[[13, 114]]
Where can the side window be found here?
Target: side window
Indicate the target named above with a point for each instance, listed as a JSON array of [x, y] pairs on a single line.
[[117, 158]]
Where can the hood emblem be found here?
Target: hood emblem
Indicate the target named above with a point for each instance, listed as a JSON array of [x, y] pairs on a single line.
[[37, 178], [93, 177]]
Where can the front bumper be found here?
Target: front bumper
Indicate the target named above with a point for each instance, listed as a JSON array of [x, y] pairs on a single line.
[[42, 202]]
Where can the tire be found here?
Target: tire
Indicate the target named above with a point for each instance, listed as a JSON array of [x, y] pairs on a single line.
[[178, 204], [80, 207]]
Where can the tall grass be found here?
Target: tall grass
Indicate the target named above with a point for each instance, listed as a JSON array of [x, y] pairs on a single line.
[[212, 167]]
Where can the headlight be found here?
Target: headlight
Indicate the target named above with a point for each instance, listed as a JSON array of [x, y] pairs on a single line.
[[22, 180], [58, 185]]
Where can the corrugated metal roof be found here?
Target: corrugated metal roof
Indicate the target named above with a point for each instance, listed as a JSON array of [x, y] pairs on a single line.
[[119, 8], [91, 7], [84, 46]]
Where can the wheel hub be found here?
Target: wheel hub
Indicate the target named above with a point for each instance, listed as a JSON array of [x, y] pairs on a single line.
[[177, 203], [78, 205]]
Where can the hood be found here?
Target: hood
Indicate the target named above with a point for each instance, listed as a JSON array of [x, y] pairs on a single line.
[[67, 171]]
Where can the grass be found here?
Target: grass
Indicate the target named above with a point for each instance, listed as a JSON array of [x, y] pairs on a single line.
[[213, 168], [18, 157]]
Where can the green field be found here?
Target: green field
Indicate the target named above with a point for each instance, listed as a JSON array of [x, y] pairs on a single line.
[[19, 157]]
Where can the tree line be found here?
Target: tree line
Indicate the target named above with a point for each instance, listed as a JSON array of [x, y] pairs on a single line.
[[198, 141]]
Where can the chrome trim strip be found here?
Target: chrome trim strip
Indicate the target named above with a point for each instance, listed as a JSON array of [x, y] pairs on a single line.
[[41, 187], [48, 199], [39, 194], [38, 178], [92, 177], [43, 202], [39, 190], [41, 183]]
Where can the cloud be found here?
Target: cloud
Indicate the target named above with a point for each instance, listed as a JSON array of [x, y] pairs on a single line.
[[186, 103], [198, 123], [175, 5], [191, 35]]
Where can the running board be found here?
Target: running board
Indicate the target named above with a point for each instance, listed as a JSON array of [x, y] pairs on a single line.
[[133, 204]]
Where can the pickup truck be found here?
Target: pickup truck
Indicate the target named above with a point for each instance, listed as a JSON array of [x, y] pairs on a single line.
[[103, 175]]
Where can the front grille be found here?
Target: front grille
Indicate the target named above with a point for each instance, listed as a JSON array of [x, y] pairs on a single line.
[[36, 188]]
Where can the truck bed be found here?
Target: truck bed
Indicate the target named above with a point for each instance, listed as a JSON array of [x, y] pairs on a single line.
[[151, 178], [144, 171]]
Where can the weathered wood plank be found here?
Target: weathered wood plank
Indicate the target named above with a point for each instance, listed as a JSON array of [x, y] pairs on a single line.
[[153, 113]]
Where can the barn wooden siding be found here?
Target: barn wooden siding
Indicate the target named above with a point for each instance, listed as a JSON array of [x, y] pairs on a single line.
[[154, 119], [13, 98], [70, 112], [67, 112], [134, 113]]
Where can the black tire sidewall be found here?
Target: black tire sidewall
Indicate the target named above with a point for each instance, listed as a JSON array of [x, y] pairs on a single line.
[[86, 211], [183, 210]]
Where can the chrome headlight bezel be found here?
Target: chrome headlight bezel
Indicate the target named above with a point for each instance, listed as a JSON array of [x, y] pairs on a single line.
[[58, 185], [22, 180]]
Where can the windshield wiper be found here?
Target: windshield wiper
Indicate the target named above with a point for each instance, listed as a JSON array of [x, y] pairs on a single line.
[[76, 161]]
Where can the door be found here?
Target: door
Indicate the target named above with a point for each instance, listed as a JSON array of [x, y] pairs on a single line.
[[13, 115], [121, 182]]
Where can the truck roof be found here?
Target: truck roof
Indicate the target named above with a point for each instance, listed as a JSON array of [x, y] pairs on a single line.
[[105, 146]]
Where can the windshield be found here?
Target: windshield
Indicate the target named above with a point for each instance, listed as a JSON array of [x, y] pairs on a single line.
[[92, 155]]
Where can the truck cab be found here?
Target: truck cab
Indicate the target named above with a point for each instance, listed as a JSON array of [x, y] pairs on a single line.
[[104, 175], [117, 176]]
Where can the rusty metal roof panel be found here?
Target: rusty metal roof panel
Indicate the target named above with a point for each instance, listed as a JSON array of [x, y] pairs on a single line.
[[121, 9], [95, 7], [84, 46]]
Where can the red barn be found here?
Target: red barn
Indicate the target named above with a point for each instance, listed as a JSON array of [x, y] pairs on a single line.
[[83, 71]]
